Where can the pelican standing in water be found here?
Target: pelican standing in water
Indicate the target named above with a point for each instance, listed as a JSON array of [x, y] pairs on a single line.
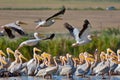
[[16, 66], [82, 37], [51, 20], [35, 41], [15, 26], [32, 64]]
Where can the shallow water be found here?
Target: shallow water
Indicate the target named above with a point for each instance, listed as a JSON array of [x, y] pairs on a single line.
[[61, 78]]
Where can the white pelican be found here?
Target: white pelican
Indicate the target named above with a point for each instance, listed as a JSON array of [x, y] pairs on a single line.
[[35, 41], [68, 69], [15, 26], [117, 70], [51, 20], [81, 37], [34, 61], [8, 60], [48, 71], [16, 66], [83, 69]]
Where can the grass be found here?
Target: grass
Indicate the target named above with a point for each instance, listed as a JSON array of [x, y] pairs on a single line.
[[108, 38]]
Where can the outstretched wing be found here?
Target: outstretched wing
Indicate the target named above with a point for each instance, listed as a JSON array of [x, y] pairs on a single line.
[[85, 31], [20, 31], [61, 12], [9, 32], [50, 37], [73, 31], [69, 28]]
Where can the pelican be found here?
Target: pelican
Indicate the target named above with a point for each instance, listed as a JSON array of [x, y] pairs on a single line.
[[15, 26], [83, 69], [16, 66], [117, 70], [3, 62], [82, 37], [67, 69], [33, 61], [35, 41], [48, 71], [8, 60], [105, 66], [51, 20]]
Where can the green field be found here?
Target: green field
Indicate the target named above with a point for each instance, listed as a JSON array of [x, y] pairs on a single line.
[[60, 45]]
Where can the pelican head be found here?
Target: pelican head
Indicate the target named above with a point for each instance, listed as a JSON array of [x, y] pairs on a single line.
[[9, 51], [20, 22], [45, 55], [118, 51], [86, 21], [103, 56], [2, 53], [110, 51], [21, 56], [36, 35], [36, 50], [3, 61]]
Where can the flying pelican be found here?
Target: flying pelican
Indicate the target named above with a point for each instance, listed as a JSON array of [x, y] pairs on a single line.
[[15, 26], [35, 41], [81, 37], [51, 20]]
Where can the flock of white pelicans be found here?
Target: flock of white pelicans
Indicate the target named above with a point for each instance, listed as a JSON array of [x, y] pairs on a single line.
[[46, 66]]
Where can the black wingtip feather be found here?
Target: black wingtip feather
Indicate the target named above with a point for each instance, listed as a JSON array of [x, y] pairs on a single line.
[[9, 33], [69, 27]]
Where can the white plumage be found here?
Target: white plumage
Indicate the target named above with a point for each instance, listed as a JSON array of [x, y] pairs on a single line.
[[82, 37]]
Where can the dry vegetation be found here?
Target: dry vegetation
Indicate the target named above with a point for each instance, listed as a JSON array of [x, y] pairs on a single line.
[[99, 19]]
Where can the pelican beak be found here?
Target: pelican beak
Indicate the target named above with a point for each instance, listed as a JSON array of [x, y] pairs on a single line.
[[20, 22], [58, 18], [90, 59], [45, 55], [90, 55], [39, 57], [109, 50], [9, 51], [2, 53], [36, 49], [3, 61], [37, 27], [23, 57]]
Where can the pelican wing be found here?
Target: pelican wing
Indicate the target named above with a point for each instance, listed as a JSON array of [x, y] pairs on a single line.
[[73, 31], [61, 12], [18, 30], [9, 32], [85, 31], [49, 37], [69, 28]]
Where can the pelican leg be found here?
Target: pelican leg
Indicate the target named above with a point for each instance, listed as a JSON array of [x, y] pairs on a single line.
[[103, 77]]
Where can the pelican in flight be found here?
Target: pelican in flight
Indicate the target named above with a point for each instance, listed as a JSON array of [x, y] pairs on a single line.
[[50, 20], [15, 26], [82, 37], [35, 41]]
